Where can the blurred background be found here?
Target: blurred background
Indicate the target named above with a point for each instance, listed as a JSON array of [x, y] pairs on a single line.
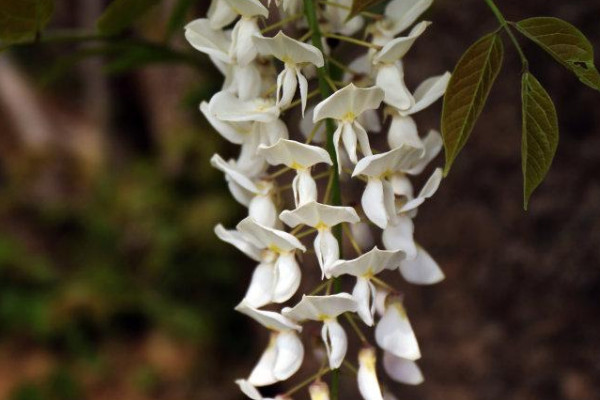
[[112, 284]]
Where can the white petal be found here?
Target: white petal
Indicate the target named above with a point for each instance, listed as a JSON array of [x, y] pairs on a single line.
[[363, 235], [422, 270], [208, 40], [262, 374], [319, 215], [399, 236], [287, 277], [248, 8], [428, 190], [270, 132], [390, 78], [372, 203], [402, 185], [403, 131], [403, 13], [337, 136], [238, 240], [234, 132], [370, 121], [247, 388], [305, 188], [363, 138], [397, 48], [263, 210], [274, 239], [368, 384], [290, 354], [348, 103], [294, 154], [289, 50], [433, 145], [227, 107], [349, 140], [336, 342], [380, 298], [246, 82], [260, 290], [429, 91], [235, 175], [303, 85], [402, 370], [287, 86], [398, 159], [320, 308], [269, 319], [327, 250], [395, 334], [368, 264], [363, 294]]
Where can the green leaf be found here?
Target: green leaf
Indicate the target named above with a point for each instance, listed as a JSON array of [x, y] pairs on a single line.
[[20, 20], [120, 14], [361, 5], [566, 44], [467, 93], [540, 134]]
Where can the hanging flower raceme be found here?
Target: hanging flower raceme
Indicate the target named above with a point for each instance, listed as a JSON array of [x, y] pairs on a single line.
[[326, 309], [345, 106], [294, 54], [263, 70]]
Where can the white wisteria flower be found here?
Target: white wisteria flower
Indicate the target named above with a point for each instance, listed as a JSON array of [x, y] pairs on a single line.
[[243, 50], [294, 54], [378, 201], [345, 106], [326, 309], [397, 17], [301, 158], [394, 333], [322, 217], [402, 370], [368, 384], [390, 69], [256, 195], [318, 390], [336, 17], [364, 268], [284, 354], [277, 276]]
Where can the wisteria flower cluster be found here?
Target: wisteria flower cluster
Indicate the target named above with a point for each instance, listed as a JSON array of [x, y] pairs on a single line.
[[264, 73]]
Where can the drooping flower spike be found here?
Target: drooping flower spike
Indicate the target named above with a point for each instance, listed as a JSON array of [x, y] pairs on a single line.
[[326, 309], [284, 353], [294, 55], [301, 158], [345, 106], [321, 217]]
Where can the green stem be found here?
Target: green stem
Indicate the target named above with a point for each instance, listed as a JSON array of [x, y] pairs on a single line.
[[504, 25], [310, 10]]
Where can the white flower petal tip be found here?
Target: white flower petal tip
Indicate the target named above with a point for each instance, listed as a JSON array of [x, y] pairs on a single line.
[[427, 191], [421, 270], [369, 264], [318, 391], [206, 39], [228, 107], [320, 216], [368, 384], [400, 14], [272, 239], [294, 154], [281, 359], [248, 8], [238, 240], [400, 236], [348, 103], [397, 48], [395, 334], [269, 319], [402, 370], [336, 342], [321, 308], [248, 389], [289, 50], [396, 160], [428, 92]]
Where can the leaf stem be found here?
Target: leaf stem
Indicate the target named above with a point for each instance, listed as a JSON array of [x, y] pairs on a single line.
[[505, 25], [353, 41], [310, 11], [281, 23]]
